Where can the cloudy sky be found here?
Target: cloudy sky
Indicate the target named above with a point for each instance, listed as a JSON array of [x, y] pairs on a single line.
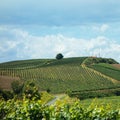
[[31, 29]]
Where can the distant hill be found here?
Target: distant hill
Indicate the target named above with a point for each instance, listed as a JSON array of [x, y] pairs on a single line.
[[75, 74]]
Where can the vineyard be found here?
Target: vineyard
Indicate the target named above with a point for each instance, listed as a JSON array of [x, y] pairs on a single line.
[[108, 70], [78, 77], [27, 64], [58, 75], [33, 110]]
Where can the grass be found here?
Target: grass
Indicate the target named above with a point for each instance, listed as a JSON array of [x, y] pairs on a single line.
[[108, 70], [46, 97], [113, 102], [36, 63]]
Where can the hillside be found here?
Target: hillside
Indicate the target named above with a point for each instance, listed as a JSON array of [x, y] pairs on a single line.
[[67, 74]]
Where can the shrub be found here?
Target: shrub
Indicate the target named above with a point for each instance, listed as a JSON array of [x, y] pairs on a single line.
[[17, 86], [31, 91], [6, 95]]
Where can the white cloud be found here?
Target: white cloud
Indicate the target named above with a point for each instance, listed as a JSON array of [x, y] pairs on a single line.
[[102, 28], [2, 28], [26, 46]]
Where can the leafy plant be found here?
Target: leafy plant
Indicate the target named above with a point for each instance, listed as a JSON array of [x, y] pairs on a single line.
[[33, 110], [31, 91], [17, 86]]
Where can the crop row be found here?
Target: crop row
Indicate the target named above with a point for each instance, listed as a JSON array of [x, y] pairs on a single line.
[[62, 78], [25, 64], [107, 71]]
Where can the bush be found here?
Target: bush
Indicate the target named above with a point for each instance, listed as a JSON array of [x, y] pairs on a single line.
[[31, 91], [17, 86], [96, 93], [48, 90], [6, 95], [94, 60]]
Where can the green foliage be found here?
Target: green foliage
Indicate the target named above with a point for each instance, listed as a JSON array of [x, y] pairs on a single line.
[[46, 97], [95, 93], [95, 60], [48, 90], [6, 95], [34, 110], [25, 110], [31, 91], [113, 102], [59, 56], [69, 93], [17, 86]]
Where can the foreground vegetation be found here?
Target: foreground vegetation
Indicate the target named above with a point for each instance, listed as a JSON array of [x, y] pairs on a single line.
[[34, 110], [113, 102]]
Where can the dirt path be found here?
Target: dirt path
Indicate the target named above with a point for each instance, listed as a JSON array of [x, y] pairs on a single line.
[[57, 97]]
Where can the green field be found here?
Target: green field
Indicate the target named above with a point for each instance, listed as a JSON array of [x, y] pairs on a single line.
[[60, 76], [108, 70]]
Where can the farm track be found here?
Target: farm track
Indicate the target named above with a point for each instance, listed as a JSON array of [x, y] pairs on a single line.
[[57, 97]]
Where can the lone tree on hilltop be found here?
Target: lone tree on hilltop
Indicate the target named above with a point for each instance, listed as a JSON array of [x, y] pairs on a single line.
[[59, 56]]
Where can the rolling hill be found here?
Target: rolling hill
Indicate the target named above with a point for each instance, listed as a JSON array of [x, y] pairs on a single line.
[[75, 74]]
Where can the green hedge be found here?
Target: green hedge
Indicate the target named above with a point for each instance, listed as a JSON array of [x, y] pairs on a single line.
[[95, 93]]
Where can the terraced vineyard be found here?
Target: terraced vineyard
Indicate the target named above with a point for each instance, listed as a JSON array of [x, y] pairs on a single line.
[[58, 75]]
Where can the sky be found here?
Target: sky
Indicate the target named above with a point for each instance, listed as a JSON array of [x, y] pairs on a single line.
[[37, 29]]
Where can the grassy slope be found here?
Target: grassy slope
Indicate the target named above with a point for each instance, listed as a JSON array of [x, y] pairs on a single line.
[[112, 102], [108, 70], [57, 75], [36, 63]]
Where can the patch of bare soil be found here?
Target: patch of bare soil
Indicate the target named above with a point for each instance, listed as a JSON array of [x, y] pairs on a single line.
[[116, 65], [5, 82]]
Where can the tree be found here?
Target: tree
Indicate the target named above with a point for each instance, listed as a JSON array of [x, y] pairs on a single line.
[[59, 56], [17, 86]]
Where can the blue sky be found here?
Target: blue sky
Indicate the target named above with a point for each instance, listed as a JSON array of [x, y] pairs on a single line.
[[42, 28]]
